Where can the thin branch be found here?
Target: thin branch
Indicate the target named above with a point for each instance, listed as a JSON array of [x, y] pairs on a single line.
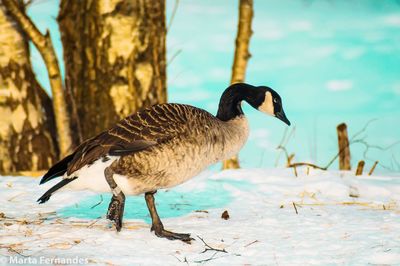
[[97, 204], [284, 141], [288, 157], [173, 15], [363, 129], [174, 56], [205, 260], [373, 168], [251, 243], [295, 208], [396, 162], [308, 164], [353, 140], [283, 148], [45, 46], [208, 247]]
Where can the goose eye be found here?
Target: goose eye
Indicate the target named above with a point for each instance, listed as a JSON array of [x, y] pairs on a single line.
[[275, 100]]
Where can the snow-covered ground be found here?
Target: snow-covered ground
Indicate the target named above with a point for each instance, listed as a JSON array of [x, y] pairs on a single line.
[[319, 218]]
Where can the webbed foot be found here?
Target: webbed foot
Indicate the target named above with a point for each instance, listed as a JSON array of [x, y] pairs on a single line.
[[161, 232]]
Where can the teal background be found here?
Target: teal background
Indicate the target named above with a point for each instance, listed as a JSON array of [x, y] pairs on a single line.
[[331, 61]]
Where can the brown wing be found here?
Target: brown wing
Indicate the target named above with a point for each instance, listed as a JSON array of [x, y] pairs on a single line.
[[137, 132]]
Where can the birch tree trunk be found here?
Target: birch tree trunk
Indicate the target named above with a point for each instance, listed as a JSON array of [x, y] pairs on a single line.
[[27, 133], [45, 46], [114, 51], [242, 56]]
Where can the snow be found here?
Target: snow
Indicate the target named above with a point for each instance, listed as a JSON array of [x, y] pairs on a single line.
[[276, 218]]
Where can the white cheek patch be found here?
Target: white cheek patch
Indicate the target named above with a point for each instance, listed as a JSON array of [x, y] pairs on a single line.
[[267, 106]]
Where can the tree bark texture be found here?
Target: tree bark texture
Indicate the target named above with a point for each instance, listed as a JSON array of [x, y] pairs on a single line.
[[44, 45], [114, 51], [27, 133], [242, 56]]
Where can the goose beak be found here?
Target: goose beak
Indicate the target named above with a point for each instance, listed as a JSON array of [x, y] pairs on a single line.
[[281, 116]]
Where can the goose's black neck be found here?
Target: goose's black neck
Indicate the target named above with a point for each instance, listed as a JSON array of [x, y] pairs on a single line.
[[230, 103]]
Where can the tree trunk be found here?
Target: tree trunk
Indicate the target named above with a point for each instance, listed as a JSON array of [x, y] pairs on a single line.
[[45, 46], [114, 53], [344, 147], [242, 56], [26, 116]]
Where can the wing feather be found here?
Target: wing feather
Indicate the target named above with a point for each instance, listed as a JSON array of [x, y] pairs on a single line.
[[138, 132]]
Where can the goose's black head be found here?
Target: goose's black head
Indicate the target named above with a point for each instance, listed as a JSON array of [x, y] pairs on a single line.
[[261, 98], [268, 101]]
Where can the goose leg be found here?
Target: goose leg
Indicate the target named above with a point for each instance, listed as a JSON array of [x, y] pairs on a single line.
[[116, 208], [157, 225]]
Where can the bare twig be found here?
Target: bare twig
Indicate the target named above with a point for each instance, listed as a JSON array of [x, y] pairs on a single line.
[[373, 168], [208, 247], [353, 140], [16, 196], [285, 139], [289, 164], [11, 249], [308, 164], [295, 208], [205, 260], [174, 56], [369, 146], [97, 204], [173, 15], [251, 243], [363, 129], [295, 171]]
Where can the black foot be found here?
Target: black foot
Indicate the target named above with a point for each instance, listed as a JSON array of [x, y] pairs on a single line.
[[116, 212], [173, 236]]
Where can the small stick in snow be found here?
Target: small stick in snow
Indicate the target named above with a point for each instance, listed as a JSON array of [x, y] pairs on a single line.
[[208, 247], [295, 208], [373, 168], [360, 167], [201, 211], [251, 243], [93, 223], [211, 258], [97, 204], [295, 170], [16, 196]]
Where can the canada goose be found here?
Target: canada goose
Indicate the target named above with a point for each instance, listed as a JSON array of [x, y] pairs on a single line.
[[161, 147]]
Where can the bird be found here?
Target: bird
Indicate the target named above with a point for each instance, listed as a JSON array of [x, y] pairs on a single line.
[[161, 147]]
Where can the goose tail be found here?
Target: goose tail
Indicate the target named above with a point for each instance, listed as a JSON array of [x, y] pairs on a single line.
[[58, 169], [46, 196]]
